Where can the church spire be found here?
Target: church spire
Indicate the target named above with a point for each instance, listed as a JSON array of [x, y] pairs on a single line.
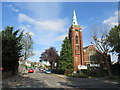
[[74, 19]]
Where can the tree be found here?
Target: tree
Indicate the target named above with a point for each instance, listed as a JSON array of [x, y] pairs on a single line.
[[101, 43], [66, 56], [114, 40], [33, 64], [0, 49], [27, 44], [11, 48], [50, 55]]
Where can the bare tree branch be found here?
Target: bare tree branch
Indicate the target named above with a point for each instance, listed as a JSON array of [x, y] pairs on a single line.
[[101, 43]]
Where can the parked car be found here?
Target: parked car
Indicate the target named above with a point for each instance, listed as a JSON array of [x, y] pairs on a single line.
[[31, 70], [48, 71], [41, 69]]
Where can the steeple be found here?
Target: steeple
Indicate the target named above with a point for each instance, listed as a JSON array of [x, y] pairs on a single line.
[[74, 19]]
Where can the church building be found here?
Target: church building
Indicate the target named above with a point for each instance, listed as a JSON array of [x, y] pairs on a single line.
[[82, 55]]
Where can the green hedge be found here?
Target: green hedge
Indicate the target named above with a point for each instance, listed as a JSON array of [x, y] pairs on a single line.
[[90, 72], [58, 71], [94, 72]]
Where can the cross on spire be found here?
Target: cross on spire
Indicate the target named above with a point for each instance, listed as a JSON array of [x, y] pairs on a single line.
[[74, 19]]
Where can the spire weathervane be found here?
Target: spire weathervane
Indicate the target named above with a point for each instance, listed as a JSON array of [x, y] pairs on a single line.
[[74, 20]]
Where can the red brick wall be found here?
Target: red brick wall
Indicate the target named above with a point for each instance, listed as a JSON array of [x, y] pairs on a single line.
[[77, 54], [87, 51]]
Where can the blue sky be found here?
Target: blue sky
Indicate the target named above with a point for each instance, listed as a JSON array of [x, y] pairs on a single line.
[[49, 22]]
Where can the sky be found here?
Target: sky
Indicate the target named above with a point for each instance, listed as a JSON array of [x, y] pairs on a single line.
[[49, 22]]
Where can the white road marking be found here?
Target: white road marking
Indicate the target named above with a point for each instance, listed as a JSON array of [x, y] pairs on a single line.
[[58, 84], [40, 75], [47, 83]]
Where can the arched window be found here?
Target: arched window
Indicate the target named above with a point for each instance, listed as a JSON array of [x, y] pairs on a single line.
[[92, 57], [76, 39], [77, 47]]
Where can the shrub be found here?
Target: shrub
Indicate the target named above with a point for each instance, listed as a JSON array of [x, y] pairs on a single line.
[[94, 72], [82, 75], [116, 68], [68, 72], [58, 71], [78, 75]]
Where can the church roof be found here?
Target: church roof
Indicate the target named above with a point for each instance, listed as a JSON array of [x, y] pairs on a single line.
[[74, 19], [86, 47]]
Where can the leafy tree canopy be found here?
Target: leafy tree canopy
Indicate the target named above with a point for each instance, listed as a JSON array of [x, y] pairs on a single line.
[[11, 47], [114, 39], [50, 55]]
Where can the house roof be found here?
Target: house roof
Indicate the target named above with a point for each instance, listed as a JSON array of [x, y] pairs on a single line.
[[28, 61], [85, 48]]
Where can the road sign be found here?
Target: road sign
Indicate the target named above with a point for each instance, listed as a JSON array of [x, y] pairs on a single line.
[[82, 67]]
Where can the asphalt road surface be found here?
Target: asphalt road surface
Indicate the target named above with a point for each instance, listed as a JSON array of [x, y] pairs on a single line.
[[39, 79]]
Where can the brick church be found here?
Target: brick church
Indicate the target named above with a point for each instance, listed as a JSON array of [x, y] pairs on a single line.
[[82, 55]]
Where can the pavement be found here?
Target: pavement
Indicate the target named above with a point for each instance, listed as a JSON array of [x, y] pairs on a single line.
[[101, 82], [12, 81]]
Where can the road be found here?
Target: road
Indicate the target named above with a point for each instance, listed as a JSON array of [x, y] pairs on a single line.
[[39, 79]]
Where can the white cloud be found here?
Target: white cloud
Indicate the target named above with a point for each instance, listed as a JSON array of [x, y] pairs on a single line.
[[117, 12], [45, 23], [99, 39], [50, 25], [26, 29], [36, 52], [48, 11], [13, 8], [16, 10], [112, 21], [30, 33], [47, 32], [35, 58], [23, 17], [61, 38]]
